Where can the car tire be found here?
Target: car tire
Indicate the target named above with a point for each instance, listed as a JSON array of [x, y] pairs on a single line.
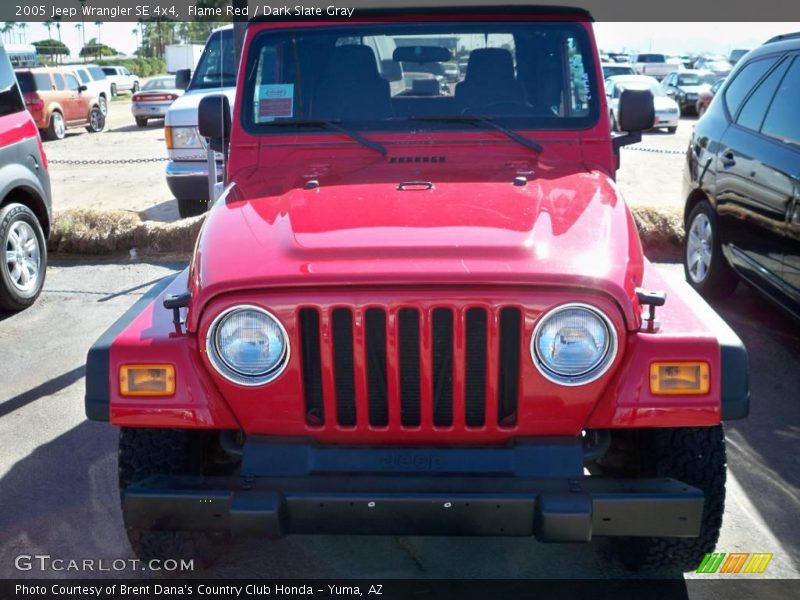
[[695, 456], [103, 105], [141, 121], [146, 452], [21, 281], [191, 207], [671, 130], [704, 265], [113, 89], [57, 129], [96, 120]]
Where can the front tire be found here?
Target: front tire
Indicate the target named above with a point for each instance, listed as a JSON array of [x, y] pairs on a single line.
[[672, 130], [147, 452], [96, 120], [103, 105], [141, 121], [24, 262], [704, 265], [696, 456], [57, 129]]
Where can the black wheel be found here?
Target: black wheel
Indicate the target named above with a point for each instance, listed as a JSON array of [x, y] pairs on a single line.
[[704, 265], [22, 270], [696, 456], [57, 128], [147, 452], [141, 121], [96, 120], [113, 89], [191, 207], [672, 129]]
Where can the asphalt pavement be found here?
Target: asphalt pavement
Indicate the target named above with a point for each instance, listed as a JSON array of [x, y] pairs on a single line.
[[58, 487]]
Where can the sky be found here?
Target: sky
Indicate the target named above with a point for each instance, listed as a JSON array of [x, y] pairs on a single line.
[[671, 38]]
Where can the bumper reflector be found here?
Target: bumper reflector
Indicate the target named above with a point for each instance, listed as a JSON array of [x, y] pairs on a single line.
[[679, 378], [147, 380]]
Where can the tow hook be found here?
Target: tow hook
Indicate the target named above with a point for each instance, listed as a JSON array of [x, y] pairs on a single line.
[[175, 302], [651, 299]]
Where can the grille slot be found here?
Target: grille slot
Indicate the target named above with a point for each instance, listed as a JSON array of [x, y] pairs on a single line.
[[408, 349], [442, 365], [508, 379], [312, 366], [342, 325], [475, 368], [375, 322]]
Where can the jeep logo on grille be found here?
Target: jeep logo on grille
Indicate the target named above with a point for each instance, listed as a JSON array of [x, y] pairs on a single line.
[[407, 461]]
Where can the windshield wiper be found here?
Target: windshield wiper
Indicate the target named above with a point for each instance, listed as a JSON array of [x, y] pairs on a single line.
[[477, 119], [335, 126]]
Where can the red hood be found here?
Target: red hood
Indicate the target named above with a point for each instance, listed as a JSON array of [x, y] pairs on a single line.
[[569, 230]]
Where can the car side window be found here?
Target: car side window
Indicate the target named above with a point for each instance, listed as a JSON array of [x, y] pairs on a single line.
[[59, 79], [781, 121], [126, 72], [755, 107], [84, 77], [72, 83], [748, 77], [10, 96]]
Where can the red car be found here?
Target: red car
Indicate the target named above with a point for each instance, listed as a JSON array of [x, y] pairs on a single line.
[[706, 97], [24, 197], [421, 314]]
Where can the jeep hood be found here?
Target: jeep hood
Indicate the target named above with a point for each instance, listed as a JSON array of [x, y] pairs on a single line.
[[570, 231]]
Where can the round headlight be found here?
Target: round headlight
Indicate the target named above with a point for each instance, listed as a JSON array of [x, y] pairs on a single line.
[[248, 345], [573, 344]]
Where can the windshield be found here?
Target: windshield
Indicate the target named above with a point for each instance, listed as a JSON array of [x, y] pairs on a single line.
[[695, 79], [217, 66], [611, 70], [652, 58], [160, 83], [385, 77]]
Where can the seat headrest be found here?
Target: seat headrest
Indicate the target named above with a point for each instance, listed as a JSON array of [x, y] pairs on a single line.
[[353, 62], [493, 64]]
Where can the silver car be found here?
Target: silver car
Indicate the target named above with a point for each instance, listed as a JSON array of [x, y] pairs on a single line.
[[154, 99]]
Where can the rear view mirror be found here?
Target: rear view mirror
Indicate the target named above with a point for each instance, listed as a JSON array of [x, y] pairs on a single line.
[[82, 88], [421, 54], [214, 120], [182, 78], [636, 110], [391, 70]]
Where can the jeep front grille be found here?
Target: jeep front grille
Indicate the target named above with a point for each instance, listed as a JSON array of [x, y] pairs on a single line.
[[416, 367]]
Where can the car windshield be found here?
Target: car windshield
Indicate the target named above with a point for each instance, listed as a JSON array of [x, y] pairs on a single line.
[[160, 83], [652, 58], [696, 79], [387, 77], [217, 65], [611, 70]]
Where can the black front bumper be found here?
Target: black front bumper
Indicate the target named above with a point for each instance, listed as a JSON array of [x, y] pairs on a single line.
[[520, 490]]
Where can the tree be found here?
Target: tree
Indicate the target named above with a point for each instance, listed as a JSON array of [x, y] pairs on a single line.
[[23, 36], [96, 49], [51, 47], [99, 24], [8, 31]]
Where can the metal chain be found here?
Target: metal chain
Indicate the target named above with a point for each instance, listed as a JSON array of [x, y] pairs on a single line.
[[101, 161], [656, 150]]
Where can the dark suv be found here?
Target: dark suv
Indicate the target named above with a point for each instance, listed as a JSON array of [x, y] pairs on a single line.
[[742, 180], [24, 197]]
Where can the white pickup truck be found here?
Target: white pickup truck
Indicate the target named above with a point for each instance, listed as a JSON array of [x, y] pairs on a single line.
[[654, 65], [121, 80]]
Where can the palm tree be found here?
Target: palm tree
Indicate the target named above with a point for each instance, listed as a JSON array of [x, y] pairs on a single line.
[[23, 36], [99, 24], [49, 24], [8, 31], [58, 29]]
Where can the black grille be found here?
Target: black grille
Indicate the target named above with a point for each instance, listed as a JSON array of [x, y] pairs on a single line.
[[508, 382], [475, 368], [375, 321], [408, 356], [342, 322], [442, 364], [312, 366]]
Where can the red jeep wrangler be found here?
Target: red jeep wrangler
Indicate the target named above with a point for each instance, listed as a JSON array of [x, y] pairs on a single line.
[[414, 312]]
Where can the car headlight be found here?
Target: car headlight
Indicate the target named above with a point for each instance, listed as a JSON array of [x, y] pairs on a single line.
[[573, 344], [248, 345], [182, 137]]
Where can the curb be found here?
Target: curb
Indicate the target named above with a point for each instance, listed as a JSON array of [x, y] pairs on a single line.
[[88, 231]]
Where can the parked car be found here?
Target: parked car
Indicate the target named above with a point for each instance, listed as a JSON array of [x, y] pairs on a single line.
[[720, 67], [736, 55], [96, 82], [25, 205], [705, 97], [187, 169], [654, 65], [57, 101], [121, 80], [685, 87], [398, 321], [667, 112], [611, 69], [742, 181], [451, 72], [154, 99]]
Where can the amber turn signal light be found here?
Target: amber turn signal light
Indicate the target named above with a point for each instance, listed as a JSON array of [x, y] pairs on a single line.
[[679, 378], [147, 380], [168, 137]]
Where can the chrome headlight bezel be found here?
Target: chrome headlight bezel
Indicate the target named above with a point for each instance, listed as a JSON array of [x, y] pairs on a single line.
[[590, 375], [221, 365]]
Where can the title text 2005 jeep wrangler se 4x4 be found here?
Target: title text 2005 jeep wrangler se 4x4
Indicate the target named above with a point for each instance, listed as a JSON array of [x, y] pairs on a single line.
[[421, 313]]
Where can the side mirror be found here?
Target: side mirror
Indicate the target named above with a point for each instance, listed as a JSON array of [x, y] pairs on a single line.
[[391, 70], [670, 91], [214, 120], [182, 78], [636, 110], [82, 88]]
